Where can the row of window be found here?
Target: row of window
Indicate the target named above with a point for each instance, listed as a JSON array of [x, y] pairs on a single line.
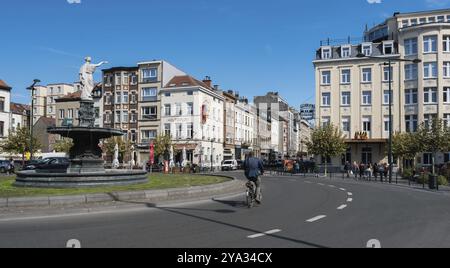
[[425, 20], [429, 45], [182, 131], [411, 122], [178, 109], [430, 96], [430, 71]]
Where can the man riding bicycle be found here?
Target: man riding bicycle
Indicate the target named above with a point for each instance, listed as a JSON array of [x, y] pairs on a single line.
[[253, 169]]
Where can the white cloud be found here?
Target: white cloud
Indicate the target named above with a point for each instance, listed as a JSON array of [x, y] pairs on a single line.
[[74, 1], [374, 1]]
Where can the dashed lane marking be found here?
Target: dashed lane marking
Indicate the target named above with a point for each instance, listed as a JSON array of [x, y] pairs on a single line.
[[316, 218], [342, 207], [264, 234]]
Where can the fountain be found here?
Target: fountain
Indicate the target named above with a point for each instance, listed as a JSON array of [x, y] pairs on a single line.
[[86, 163]]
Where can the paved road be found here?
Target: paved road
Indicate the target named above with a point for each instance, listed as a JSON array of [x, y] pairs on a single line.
[[296, 212]]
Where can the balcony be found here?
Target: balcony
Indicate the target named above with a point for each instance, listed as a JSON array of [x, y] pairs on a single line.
[[150, 98], [149, 80], [150, 117]]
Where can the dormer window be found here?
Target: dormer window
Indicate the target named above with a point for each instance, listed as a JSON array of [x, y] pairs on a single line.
[[413, 22], [388, 47], [441, 18], [367, 49], [423, 20], [346, 51], [326, 53]]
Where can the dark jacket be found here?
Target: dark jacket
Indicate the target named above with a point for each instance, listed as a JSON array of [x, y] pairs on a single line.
[[253, 168]]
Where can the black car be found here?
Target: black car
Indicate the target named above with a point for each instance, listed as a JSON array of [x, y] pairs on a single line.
[[55, 164], [4, 166]]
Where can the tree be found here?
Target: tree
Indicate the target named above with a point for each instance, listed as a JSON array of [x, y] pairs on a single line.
[[433, 137], [18, 142], [109, 146], [405, 146], [327, 141], [63, 145], [162, 145]]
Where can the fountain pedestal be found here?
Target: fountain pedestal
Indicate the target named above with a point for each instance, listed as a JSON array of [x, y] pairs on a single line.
[[86, 163]]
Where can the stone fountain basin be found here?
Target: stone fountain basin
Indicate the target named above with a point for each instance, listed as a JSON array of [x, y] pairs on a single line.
[[75, 180]]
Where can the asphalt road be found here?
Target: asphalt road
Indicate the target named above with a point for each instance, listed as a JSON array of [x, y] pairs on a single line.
[[296, 213]]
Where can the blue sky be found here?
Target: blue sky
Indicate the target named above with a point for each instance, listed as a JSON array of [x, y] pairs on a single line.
[[251, 46]]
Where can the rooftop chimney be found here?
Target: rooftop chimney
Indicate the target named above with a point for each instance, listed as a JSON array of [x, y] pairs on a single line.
[[216, 87], [207, 81]]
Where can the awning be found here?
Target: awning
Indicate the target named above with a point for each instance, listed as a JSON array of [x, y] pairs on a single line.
[[368, 141]]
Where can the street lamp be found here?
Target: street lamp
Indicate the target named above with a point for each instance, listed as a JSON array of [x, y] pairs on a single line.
[[389, 64], [32, 88]]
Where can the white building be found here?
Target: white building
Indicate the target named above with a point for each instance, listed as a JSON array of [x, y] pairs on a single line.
[[54, 92], [192, 114], [246, 128], [5, 100]]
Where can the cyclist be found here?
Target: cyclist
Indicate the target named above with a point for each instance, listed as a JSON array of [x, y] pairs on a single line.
[[253, 169]]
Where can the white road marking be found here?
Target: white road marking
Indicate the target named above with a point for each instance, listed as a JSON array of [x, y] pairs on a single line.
[[256, 236], [350, 200], [273, 231], [342, 207], [264, 234], [350, 194], [342, 189], [316, 218]]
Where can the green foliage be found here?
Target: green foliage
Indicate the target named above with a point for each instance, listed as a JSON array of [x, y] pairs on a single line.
[[327, 141], [162, 145], [442, 181], [407, 173], [405, 145], [18, 142], [423, 178], [63, 145], [109, 146], [433, 138]]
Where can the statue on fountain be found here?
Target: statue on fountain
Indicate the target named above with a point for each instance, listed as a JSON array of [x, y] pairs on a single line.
[[87, 78], [87, 112]]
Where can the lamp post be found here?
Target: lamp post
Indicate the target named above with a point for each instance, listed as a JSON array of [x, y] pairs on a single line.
[[391, 133], [32, 88]]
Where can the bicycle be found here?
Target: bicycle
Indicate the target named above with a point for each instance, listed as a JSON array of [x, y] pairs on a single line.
[[251, 193]]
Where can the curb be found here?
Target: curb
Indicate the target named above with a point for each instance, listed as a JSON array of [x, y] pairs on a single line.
[[232, 187]]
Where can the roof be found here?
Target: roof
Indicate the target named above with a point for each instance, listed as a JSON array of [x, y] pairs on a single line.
[[47, 121], [18, 108], [70, 97], [186, 81], [120, 68], [3, 85]]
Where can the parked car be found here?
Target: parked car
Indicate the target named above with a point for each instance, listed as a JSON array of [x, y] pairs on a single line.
[[55, 164], [229, 165], [4, 166]]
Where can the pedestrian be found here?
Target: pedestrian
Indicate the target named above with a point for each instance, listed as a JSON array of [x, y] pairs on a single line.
[[362, 169], [386, 170], [297, 167], [355, 169], [375, 171], [381, 171], [11, 167], [347, 169]]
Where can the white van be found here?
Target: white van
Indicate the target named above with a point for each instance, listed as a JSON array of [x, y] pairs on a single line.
[[229, 165]]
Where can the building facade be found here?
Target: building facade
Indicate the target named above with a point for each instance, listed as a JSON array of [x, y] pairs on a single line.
[[54, 92], [67, 110], [19, 116], [40, 103], [153, 76], [192, 114], [5, 100], [229, 124], [353, 92]]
